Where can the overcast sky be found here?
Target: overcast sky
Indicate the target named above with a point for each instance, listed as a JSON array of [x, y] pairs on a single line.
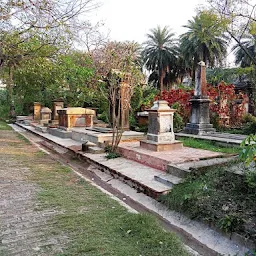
[[132, 19]]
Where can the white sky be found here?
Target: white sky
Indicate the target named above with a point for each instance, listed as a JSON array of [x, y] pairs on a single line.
[[132, 19]]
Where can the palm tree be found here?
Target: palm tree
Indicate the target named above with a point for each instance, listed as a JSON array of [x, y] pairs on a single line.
[[241, 57], [204, 40], [160, 52]]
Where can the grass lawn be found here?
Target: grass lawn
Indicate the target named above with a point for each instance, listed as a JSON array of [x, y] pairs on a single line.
[[208, 145], [220, 198], [94, 223], [4, 126]]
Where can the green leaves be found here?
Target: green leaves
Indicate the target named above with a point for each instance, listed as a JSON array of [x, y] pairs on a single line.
[[248, 152]]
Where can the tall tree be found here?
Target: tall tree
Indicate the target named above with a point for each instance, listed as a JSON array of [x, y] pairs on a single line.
[[242, 58], [160, 52], [204, 40], [28, 27], [240, 19]]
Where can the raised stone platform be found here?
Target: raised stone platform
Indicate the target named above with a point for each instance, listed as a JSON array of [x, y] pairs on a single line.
[[100, 138], [160, 160], [160, 146]]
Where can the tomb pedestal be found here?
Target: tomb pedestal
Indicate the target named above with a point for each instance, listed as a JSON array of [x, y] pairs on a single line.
[[56, 105], [200, 117], [45, 115], [75, 117], [160, 136], [200, 110], [37, 110]]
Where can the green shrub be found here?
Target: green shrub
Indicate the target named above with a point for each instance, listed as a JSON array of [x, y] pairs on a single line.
[[178, 122], [250, 179], [112, 155], [104, 117], [4, 108], [247, 118], [248, 152]]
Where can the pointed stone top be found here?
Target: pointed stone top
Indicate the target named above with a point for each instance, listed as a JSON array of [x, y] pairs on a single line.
[[201, 63]]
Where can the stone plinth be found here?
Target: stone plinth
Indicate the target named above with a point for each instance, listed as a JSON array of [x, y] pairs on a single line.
[[160, 136], [45, 115], [142, 118], [200, 113], [56, 105], [75, 117], [200, 117], [37, 109]]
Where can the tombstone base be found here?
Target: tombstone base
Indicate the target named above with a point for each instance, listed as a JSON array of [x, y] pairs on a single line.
[[199, 129], [161, 146], [200, 117]]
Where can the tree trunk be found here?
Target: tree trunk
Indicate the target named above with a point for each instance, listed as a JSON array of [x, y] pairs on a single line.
[[10, 86], [161, 82]]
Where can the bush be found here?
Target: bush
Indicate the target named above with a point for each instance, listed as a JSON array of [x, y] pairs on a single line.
[[4, 108]]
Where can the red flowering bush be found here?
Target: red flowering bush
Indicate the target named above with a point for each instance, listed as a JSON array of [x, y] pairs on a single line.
[[179, 99], [226, 108]]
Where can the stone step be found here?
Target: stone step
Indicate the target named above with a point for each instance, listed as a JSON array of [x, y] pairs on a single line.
[[41, 129], [167, 179], [181, 170], [95, 150], [134, 174], [60, 133], [177, 170]]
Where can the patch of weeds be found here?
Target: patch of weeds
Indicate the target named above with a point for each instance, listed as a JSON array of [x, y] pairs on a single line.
[[230, 223], [40, 153], [208, 145], [250, 178], [112, 155], [21, 137], [250, 253], [219, 197]]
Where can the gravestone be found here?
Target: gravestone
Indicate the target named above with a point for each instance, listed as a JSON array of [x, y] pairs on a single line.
[[160, 136], [200, 111], [37, 109], [75, 117], [56, 105], [45, 115]]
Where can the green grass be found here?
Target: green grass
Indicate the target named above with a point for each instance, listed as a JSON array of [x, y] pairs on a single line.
[[4, 126], [94, 223], [219, 197], [208, 145]]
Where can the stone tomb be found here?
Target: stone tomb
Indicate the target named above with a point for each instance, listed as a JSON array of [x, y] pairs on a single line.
[[75, 117], [160, 136]]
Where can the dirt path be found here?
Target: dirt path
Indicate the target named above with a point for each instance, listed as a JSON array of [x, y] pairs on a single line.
[[24, 230]]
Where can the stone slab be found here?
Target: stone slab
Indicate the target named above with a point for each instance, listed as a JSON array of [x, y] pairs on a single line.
[[60, 133], [99, 138], [167, 179], [226, 139], [156, 146], [160, 160], [77, 111]]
